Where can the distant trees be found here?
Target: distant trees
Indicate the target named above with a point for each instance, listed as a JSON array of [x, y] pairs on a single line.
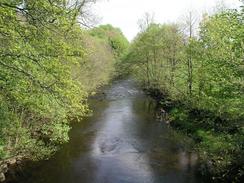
[[204, 73], [190, 27], [113, 36], [156, 55], [146, 21], [104, 48]]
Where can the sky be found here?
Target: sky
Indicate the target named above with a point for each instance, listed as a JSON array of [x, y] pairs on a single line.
[[125, 14]]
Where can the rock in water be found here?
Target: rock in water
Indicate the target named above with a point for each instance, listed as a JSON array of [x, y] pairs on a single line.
[[11, 161], [2, 177], [3, 168]]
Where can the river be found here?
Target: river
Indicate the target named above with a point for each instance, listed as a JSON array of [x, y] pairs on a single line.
[[122, 142]]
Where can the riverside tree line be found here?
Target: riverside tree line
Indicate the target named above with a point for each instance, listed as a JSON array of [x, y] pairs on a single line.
[[201, 79], [49, 64]]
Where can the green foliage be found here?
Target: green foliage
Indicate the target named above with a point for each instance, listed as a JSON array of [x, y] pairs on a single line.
[[98, 59], [205, 74], [155, 55], [223, 152], [115, 41], [220, 82], [47, 65], [113, 36], [37, 92]]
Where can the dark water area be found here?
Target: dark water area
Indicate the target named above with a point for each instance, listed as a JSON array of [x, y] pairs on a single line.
[[122, 142]]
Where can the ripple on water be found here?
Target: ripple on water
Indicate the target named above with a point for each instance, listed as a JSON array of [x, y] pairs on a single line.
[[123, 144]]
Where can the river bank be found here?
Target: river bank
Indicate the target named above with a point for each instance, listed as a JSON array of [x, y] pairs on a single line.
[[220, 157], [10, 164]]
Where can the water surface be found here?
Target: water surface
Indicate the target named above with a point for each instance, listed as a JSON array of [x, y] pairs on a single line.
[[121, 143]]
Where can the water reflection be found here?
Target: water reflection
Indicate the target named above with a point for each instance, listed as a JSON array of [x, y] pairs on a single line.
[[119, 159], [121, 143]]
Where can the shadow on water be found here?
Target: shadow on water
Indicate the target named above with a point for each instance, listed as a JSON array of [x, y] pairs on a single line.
[[121, 143]]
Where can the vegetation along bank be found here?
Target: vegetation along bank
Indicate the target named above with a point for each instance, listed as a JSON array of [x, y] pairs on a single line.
[[198, 78]]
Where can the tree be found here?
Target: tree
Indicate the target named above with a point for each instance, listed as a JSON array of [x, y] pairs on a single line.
[[113, 36], [165, 60], [189, 29], [41, 89], [155, 56], [146, 21]]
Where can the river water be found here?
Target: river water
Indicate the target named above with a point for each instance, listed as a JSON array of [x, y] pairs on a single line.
[[122, 142]]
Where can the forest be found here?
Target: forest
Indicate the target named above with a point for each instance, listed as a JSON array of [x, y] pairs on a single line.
[[49, 66], [52, 61], [200, 79]]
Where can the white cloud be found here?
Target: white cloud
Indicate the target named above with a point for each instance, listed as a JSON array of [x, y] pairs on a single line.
[[125, 13]]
